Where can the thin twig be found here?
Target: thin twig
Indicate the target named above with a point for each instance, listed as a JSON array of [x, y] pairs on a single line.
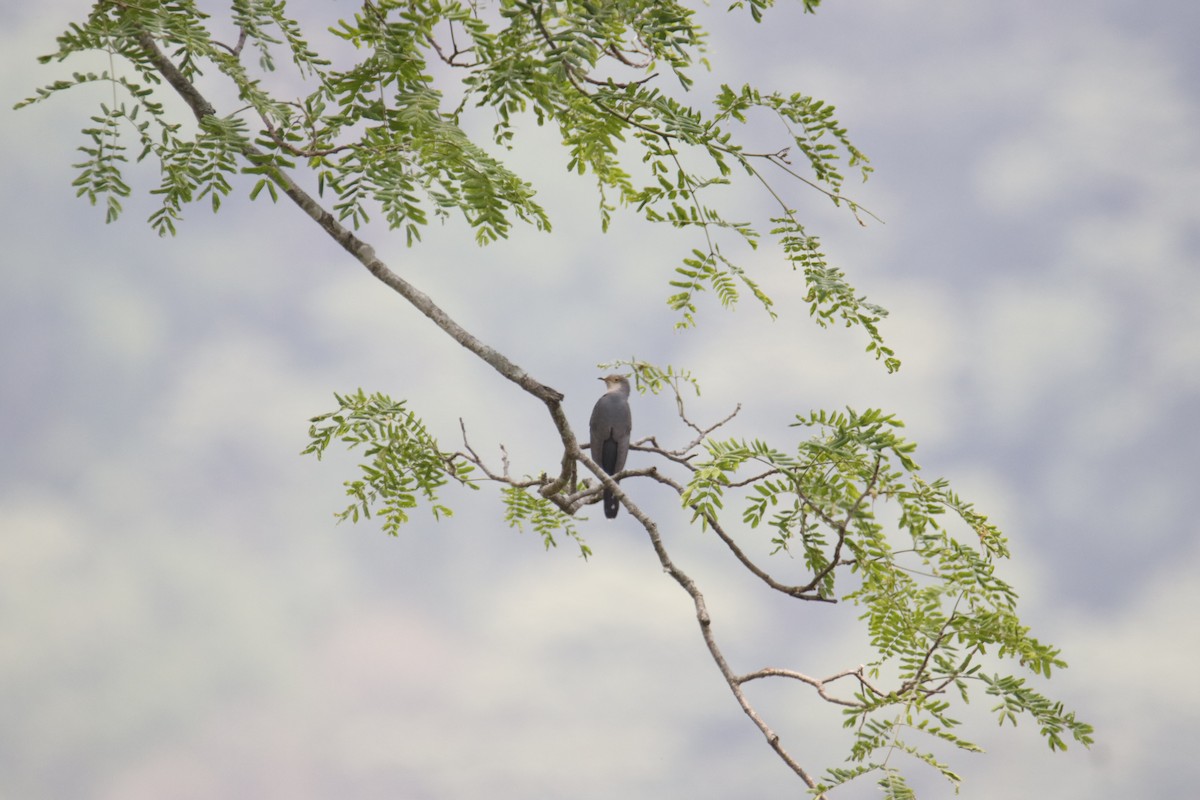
[[816, 683]]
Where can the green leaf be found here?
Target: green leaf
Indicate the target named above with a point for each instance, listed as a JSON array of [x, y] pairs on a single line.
[[404, 463]]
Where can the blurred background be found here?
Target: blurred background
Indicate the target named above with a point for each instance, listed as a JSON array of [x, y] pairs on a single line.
[[180, 617]]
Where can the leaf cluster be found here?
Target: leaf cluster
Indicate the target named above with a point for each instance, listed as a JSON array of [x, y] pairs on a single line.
[[522, 507], [924, 574], [403, 463], [388, 133]]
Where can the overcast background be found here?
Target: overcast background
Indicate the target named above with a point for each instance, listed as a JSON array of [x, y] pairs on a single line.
[[181, 618]]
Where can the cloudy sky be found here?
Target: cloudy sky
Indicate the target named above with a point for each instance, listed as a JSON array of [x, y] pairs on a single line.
[[180, 617]]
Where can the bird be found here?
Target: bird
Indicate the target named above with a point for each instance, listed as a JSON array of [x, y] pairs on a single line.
[[610, 427]]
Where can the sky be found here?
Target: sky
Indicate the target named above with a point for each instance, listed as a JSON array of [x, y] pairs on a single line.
[[180, 615]]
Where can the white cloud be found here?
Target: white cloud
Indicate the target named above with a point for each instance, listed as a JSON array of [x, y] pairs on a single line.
[[220, 388], [1104, 113]]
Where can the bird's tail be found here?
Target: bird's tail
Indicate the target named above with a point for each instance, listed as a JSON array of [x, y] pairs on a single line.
[[610, 504]]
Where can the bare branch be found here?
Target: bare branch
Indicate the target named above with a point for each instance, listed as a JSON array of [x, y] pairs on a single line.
[[236, 50], [623, 57], [754, 479], [684, 454], [799, 592], [816, 683], [705, 622], [704, 433], [650, 445], [455, 53]]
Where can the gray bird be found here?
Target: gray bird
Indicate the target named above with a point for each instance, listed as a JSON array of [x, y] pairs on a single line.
[[610, 428]]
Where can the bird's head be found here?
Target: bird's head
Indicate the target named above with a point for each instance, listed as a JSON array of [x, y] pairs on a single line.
[[615, 381]]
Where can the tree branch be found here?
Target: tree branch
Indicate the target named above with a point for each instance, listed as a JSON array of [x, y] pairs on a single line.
[[817, 683], [365, 254], [705, 622], [572, 453]]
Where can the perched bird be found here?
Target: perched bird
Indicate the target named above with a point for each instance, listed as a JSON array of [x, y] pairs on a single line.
[[610, 428]]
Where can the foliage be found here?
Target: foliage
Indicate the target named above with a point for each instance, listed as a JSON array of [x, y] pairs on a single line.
[[404, 460], [933, 604], [387, 134], [523, 507]]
